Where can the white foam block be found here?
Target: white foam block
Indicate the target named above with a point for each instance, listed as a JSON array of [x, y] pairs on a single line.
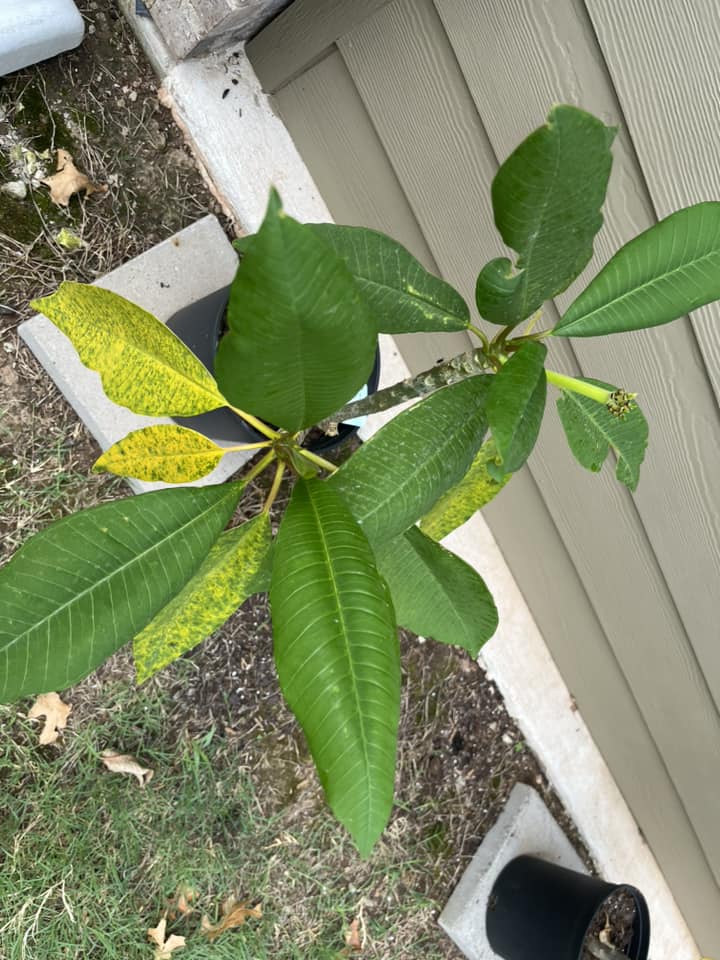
[[33, 30]]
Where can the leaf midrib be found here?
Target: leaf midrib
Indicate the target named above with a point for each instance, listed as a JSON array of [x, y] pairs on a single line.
[[602, 430], [78, 597], [398, 488], [524, 279], [138, 348], [413, 297], [635, 290], [343, 623]]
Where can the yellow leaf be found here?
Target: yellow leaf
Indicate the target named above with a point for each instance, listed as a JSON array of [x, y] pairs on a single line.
[[163, 947], [69, 180], [124, 763], [50, 706], [223, 582], [142, 364], [71, 241], [234, 915], [165, 452], [476, 489]]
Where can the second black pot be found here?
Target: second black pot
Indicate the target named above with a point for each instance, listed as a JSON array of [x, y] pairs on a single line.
[[540, 911], [200, 327]]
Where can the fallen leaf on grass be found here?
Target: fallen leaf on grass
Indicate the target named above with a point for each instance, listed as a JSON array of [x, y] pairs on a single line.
[[234, 914], [163, 947], [69, 180], [123, 763], [181, 902], [353, 938], [50, 706]]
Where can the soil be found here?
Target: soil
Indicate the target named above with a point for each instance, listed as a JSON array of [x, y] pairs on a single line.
[[613, 924], [459, 752]]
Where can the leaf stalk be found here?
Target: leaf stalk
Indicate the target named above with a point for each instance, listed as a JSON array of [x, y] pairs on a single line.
[[562, 382], [277, 480]]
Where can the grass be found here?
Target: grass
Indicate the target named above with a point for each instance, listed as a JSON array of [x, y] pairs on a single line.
[[90, 857]]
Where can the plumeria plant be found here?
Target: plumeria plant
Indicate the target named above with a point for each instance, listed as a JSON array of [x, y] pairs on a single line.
[[357, 552]]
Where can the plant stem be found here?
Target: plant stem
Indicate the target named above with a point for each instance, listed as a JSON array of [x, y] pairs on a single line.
[[277, 480], [247, 446], [559, 380], [480, 334], [314, 458], [528, 337], [254, 422], [421, 385], [259, 467]]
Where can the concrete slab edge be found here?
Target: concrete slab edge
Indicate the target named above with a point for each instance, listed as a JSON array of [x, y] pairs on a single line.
[[243, 161], [525, 827]]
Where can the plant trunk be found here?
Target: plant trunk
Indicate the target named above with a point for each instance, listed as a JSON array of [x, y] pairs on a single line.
[[421, 385]]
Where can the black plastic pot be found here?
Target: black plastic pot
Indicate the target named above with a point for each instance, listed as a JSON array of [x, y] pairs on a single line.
[[540, 911], [200, 326]]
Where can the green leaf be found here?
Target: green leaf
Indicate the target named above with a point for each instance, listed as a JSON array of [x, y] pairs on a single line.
[[402, 296], [76, 592], [435, 593], [164, 452], [242, 243], [515, 406], [591, 430], [301, 340], [337, 656], [546, 198], [664, 273], [468, 496], [143, 366], [224, 581], [394, 478]]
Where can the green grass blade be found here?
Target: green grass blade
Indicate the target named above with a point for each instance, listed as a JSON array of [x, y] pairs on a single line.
[[401, 294], [591, 430], [546, 197], [143, 365], [337, 656], [393, 479], [224, 581], [301, 340], [515, 407], [664, 273], [76, 592], [435, 593]]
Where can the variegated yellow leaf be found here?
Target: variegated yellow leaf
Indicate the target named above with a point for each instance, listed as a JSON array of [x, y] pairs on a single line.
[[142, 364], [223, 582], [475, 489], [165, 452]]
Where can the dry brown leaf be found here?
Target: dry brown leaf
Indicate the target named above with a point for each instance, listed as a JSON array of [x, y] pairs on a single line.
[[181, 902], [124, 763], [50, 706], [163, 947], [234, 914], [353, 937], [69, 180]]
